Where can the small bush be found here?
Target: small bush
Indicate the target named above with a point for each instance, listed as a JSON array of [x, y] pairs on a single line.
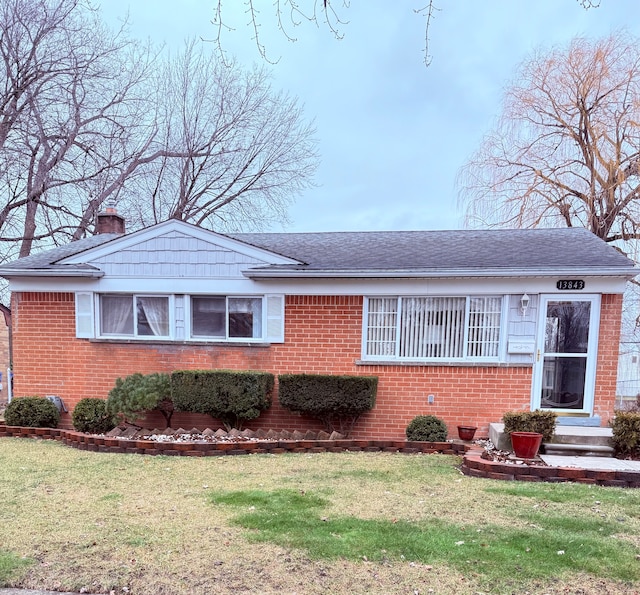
[[542, 422], [90, 415], [228, 395], [337, 401], [137, 394], [32, 412], [427, 428], [626, 432]]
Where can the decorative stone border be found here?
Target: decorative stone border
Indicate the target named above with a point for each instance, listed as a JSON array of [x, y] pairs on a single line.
[[475, 466], [200, 449], [472, 463]]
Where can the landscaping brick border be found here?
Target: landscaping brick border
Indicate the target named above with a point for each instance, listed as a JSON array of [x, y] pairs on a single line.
[[96, 443], [473, 464]]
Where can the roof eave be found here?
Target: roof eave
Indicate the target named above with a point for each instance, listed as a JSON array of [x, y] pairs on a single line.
[[627, 273], [11, 273]]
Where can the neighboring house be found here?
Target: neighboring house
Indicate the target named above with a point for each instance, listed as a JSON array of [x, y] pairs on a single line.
[[464, 325], [628, 387]]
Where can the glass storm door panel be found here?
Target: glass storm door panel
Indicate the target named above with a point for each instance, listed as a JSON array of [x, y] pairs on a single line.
[[565, 359]]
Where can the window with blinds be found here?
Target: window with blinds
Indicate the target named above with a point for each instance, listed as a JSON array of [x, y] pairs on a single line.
[[417, 328]]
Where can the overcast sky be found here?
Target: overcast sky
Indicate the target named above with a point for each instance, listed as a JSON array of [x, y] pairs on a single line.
[[392, 134]]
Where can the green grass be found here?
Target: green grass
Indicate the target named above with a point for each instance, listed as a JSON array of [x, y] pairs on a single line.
[[546, 546], [374, 523], [10, 566]]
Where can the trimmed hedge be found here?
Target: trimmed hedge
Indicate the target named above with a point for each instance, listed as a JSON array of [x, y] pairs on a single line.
[[542, 422], [626, 432], [32, 412], [337, 401], [426, 428], [90, 416], [139, 393], [229, 395]]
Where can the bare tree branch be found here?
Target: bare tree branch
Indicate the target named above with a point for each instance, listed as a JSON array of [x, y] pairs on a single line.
[[89, 115], [566, 149]]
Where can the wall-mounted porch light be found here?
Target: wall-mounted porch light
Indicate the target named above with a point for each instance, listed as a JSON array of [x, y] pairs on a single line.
[[524, 304]]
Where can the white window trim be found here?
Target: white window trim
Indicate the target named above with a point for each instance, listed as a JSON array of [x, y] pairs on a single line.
[[275, 301], [226, 339], [135, 336], [501, 347], [87, 319]]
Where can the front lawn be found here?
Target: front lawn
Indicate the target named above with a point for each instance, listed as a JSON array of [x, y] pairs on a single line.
[[309, 523]]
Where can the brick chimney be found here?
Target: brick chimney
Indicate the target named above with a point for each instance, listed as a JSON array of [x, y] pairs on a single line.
[[108, 221]]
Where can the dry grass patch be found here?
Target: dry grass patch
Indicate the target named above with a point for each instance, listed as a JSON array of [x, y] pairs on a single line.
[[105, 522]]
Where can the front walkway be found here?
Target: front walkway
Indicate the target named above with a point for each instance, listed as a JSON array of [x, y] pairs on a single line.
[[604, 463]]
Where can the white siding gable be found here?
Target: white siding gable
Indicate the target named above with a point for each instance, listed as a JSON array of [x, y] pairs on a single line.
[[176, 250], [174, 255]]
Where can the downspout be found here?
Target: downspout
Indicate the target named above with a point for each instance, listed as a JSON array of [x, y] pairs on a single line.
[[7, 320]]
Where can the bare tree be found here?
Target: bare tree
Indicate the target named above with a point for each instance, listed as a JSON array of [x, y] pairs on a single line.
[[83, 120], [566, 149], [327, 14], [246, 150], [70, 105]]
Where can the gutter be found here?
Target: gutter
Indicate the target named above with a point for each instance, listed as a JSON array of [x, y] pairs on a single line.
[[10, 273], [572, 273]]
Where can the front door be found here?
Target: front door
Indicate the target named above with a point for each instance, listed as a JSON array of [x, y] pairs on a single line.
[[566, 349]]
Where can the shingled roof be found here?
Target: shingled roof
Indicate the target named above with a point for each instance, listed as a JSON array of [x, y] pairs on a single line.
[[439, 252], [46, 262], [390, 253]]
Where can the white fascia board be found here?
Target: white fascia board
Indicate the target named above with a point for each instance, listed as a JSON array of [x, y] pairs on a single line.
[[440, 286], [380, 287], [205, 235], [142, 285], [93, 273], [267, 273]]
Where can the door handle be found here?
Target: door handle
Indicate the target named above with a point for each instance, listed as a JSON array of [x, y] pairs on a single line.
[[538, 356]]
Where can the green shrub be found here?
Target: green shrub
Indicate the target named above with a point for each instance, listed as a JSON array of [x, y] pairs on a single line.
[[337, 401], [228, 395], [90, 415], [427, 428], [542, 422], [32, 412], [626, 432], [137, 394]]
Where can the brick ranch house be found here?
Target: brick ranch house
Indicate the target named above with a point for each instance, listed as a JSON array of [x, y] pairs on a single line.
[[464, 325]]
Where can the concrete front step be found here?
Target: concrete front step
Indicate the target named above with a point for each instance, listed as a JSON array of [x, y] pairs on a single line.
[[585, 450], [582, 439]]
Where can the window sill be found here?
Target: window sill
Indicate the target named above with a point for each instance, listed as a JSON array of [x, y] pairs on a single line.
[[132, 341], [446, 363]]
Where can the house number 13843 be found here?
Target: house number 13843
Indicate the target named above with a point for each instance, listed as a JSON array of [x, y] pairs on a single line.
[[570, 284]]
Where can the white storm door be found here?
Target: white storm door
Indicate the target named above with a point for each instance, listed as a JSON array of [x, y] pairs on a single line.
[[566, 352]]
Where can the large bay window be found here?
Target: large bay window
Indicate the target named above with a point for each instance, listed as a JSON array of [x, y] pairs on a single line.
[[425, 328]]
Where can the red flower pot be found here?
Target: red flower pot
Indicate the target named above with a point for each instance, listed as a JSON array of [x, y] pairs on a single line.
[[466, 432], [526, 444]]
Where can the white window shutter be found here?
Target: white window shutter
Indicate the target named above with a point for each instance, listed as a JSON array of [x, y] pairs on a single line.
[[275, 319], [84, 315]]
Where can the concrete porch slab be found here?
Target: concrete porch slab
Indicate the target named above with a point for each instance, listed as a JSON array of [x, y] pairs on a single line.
[[603, 463], [588, 421], [564, 435]]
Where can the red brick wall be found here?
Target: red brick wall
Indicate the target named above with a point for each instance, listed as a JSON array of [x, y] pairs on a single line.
[[323, 335], [609, 346]]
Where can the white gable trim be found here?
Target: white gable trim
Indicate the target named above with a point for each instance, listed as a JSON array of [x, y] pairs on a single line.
[[174, 225]]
